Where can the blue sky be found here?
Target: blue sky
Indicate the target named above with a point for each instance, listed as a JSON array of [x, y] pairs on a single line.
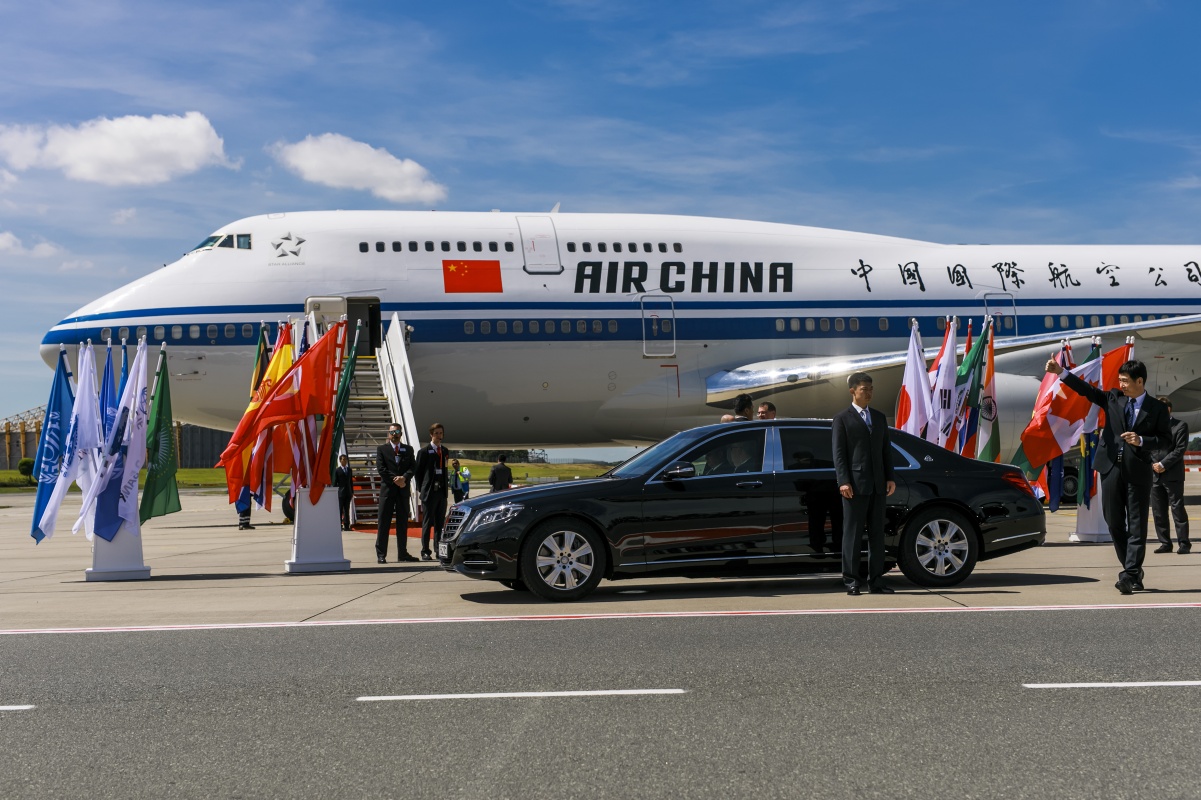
[[130, 130]]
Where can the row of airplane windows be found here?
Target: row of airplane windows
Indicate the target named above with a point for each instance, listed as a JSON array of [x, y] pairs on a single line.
[[249, 330], [397, 247], [647, 247], [537, 326], [494, 247]]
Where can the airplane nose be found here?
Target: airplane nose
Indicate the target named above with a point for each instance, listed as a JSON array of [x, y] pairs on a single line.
[[49, 354], [61, 334]]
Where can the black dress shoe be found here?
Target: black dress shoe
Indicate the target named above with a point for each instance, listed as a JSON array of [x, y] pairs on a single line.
[[381, 560], [881, 588], [1137, 586], [426, 556], [405, 557], [1185, 549], [1124, 586], [853, 591], [1163, 548]]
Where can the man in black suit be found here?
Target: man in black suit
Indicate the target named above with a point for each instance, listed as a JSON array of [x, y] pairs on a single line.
[[1167, 487], [431, 487], [344, 480], [863, 466], [1136, 425], [394, 462]]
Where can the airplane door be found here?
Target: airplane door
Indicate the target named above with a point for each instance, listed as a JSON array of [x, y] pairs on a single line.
[[1003, 308], [540, 244], [325, 310], [658, 326], [365, 310]]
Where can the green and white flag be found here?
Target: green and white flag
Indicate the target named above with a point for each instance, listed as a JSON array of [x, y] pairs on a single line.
[[161, 493]]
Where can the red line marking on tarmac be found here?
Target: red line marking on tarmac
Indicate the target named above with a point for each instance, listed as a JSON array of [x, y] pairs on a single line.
[[224, 626]]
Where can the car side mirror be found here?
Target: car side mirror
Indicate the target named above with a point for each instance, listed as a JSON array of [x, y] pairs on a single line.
[[679, 469]]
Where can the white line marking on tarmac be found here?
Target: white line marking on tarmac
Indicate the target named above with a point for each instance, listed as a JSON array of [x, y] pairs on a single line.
[[493, 695], [820, 612], [16, 708], [1121, 685]]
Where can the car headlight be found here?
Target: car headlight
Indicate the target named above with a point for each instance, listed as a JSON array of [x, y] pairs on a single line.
[[494, 515]]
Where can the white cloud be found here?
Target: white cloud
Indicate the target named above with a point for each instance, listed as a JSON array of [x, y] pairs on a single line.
[[342, 163], [76, 265], [124, 215], [7, 180], [9, 243], [126, 151]]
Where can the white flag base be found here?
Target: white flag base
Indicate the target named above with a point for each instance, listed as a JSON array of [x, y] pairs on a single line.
[[1090, 522], [118, 560], [317, 534]]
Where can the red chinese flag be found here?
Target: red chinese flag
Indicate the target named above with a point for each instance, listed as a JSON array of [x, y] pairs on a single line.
[[471, 276]]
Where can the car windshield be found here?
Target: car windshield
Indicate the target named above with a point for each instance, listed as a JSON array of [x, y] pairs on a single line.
[[642, 463]]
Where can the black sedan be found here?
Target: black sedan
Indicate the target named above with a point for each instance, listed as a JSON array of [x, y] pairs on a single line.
[[739, 499]]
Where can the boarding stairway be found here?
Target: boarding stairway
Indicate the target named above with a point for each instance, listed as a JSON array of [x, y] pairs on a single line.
[[381, 393]]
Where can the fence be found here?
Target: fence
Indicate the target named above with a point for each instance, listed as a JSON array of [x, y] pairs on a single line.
[[198, 447]]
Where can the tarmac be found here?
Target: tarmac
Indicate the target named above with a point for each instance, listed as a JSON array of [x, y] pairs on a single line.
[[206, 572]]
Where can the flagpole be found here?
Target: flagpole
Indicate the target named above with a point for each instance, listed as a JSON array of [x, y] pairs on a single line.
[[162, 354]]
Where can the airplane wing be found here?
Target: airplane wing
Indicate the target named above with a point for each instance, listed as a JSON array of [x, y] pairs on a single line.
[[764, 378]]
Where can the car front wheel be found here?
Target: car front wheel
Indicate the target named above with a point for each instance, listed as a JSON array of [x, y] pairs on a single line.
[[939, 548], [562, 560]]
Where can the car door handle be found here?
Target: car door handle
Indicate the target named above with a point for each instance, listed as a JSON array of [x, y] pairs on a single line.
[[749, 484]]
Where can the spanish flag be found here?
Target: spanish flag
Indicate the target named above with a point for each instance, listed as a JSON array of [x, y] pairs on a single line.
[[462, 276]]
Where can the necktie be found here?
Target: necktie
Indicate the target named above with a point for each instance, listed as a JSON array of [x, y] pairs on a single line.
[[867, 419], [1130, 414]]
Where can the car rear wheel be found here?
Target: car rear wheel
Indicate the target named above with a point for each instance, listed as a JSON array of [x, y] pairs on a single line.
[[939, 548], [562, 559]]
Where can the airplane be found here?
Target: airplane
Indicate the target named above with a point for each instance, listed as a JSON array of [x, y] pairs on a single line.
[[556, 329]]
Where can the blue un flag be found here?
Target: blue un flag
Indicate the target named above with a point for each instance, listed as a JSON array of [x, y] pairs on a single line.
[[53, 443]]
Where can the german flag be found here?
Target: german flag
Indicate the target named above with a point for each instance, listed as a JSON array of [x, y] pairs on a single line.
[[461, 276]]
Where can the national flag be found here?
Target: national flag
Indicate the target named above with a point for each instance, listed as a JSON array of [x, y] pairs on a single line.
[[1090, 439], [54, 443], [913, 403], [954, 439], [1059, 415], [262, 356], [326, 454], [124, 454], [461, 275], [85, 435], [943, 400], [988, 446], [342, 401], [967, 390], [307, 388], [160, 496], [237, 470]]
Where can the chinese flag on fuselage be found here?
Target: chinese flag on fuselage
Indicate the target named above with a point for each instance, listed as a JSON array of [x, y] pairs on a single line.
[[462, 276]]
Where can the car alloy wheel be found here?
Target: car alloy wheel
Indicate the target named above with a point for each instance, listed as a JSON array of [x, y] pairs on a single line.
[[939, 548], [562, 560]]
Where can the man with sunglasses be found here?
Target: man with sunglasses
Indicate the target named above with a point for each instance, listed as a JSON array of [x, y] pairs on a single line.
[[394, 462]]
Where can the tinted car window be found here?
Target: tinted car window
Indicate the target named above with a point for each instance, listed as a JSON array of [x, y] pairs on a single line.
[[806, 448], [740, 451]]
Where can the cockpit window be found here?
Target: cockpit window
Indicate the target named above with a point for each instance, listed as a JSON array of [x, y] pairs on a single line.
[[209, 242], [241, 241]]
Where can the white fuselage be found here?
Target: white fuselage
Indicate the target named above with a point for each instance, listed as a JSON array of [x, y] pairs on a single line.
[[595, 328]]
